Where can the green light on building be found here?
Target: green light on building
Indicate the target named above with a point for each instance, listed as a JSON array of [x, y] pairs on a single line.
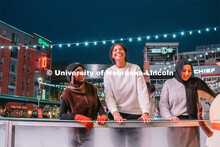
[[42, 42]]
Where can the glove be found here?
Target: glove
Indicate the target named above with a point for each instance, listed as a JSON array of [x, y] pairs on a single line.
[[202, 124], [102, 118], [86, 121]]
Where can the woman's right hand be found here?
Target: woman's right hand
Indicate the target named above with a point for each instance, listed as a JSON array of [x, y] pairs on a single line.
[[86, 121], [173, 118], [118, 118]]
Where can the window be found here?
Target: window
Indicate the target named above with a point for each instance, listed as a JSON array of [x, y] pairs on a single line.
[[38, 48], [11, 91], [24, 54], [23, 67], [13, 66], [14, 52], [2, 60], [3, 44], [0, 75], [15, 38], [27, 93], [4, 33], [28, 68], [12, 80], [22, 81], [27, 81], [29, 56], [22, 92], [25, 42], [29, 42]]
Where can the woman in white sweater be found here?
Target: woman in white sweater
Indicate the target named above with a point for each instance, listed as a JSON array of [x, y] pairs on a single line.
[[126, 92]]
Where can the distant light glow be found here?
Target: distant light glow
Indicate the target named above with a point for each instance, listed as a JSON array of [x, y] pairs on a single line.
[[174, 35], [148, 37], [95, 43], [215, 28], [156, 36], [86, 43], [121, 39], [34, 46], [207, 29], [190, 32], [182, 33], [139, 38], [43, 46], [130, 39], [199, 31], [104, 42], [113, 41], [60, 45], [77, 44], [165, 35], [68, 45]]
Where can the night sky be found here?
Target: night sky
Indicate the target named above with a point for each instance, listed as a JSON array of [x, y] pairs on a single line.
[[66, 21]]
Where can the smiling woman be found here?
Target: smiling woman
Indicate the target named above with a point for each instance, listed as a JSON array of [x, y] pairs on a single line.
[[179, 99], [126, 96]]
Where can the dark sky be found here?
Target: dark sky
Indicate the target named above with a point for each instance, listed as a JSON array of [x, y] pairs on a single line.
[[64, 21]]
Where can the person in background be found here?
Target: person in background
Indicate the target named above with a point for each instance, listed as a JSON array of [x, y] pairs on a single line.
[[80, 102], [151, 89]]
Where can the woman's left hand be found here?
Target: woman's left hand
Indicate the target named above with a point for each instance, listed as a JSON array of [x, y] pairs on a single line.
[[146, 118], [101, 120]]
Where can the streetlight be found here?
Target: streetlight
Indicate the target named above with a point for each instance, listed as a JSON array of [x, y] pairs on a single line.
[[40, 80]]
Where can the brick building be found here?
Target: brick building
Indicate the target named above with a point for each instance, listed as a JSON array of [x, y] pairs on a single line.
[[23, 59]]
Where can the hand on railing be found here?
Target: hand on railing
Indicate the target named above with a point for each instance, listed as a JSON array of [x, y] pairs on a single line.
[[101, 120], [146, 118], [173, 118], [86, 121], [118, 117]]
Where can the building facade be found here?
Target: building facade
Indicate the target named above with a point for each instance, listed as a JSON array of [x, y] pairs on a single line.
[[23, 59]]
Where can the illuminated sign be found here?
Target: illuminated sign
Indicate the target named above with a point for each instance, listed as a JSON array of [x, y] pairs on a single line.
[[204, 71], [43, 94], [44, 62], [40, 41], [162, 50]]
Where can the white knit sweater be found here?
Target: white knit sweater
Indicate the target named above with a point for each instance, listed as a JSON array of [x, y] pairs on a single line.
[[126, 93]]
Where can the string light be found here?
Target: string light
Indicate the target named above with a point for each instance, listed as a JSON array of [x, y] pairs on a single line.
[[199, 31]]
